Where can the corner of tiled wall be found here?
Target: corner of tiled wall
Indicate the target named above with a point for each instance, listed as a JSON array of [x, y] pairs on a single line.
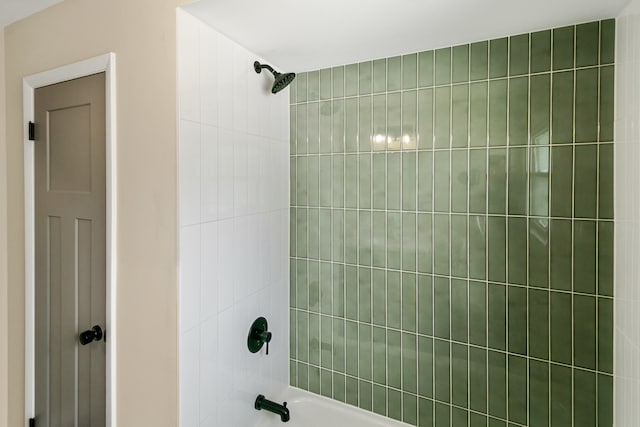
[[452, 232], [234, 219], [627, 221]]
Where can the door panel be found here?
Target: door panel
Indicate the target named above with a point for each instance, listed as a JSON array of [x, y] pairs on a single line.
[[83, 274], [69, 160], [70, 252]]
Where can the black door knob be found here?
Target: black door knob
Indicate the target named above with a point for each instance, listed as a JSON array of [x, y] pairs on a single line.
[[93, 334]]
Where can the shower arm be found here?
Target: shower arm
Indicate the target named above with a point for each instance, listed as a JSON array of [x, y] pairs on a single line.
[[258, 67]]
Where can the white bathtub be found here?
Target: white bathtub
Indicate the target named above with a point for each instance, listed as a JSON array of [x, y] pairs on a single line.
[[310, 410]]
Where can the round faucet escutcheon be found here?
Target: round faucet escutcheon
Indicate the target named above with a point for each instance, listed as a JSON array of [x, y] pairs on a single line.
[[259, 335]]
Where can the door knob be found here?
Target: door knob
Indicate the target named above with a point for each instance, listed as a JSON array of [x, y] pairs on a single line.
[[93, 334]]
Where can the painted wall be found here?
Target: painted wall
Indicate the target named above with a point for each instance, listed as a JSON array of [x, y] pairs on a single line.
[[627, 178], [234, 223], [452, 232], [4, 349], [143, 36]]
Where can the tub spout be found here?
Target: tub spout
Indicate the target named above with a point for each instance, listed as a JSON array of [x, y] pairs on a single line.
[[266, 404]]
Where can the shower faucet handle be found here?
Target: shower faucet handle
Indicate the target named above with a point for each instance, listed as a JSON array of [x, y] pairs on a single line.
[[266, 337], [259, 335]]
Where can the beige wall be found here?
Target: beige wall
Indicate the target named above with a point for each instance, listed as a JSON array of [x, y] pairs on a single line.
[[3, 244], [142, 33]]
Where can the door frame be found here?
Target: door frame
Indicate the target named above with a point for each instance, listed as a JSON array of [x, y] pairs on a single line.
[[104, 63]]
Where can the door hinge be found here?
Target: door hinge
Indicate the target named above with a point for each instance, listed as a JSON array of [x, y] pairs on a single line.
[[32, 422], [32, 136]]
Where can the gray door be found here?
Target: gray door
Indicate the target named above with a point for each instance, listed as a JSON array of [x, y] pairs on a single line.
[[70, 276]]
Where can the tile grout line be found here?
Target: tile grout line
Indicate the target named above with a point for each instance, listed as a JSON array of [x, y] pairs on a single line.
[[342, 269], [295, 314], [293, 229], [432, 231], [507, 228], [486, 224], [597, 225], [528, 209], [357, 201], [458, 149], [401, 246], [434, 86], [454, 214], [309, 225], [319, 331], [386, 205], [385, 226], [573, 225], [449, 228], [416, 260], [333, 257], [468, 189], [359, 207], [444, 276], [448, 340], [448, 404], [549, 206]]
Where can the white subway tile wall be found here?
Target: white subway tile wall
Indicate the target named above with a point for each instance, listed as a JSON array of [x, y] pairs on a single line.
[[627, 220], [234, 225]]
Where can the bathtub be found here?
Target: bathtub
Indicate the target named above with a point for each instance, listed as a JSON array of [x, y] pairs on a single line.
[[310, 410]]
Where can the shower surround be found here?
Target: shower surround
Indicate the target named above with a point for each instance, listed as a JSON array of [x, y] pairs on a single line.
[[452, 232], [234, 214]]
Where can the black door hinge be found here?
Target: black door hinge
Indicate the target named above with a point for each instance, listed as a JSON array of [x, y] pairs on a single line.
[[32, 136], [32, 422]]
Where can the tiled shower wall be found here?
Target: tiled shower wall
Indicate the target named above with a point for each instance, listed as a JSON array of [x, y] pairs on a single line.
[[627, 242], [452, 234], [234, 215]]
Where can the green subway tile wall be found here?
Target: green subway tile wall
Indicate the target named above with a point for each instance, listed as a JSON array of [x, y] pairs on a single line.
[[452, 232]]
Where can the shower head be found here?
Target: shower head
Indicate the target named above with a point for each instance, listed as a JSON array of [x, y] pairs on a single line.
[[282, 80]]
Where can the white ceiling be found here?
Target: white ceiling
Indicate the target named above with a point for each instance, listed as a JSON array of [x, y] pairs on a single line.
[[302, 35], [14, 10]]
